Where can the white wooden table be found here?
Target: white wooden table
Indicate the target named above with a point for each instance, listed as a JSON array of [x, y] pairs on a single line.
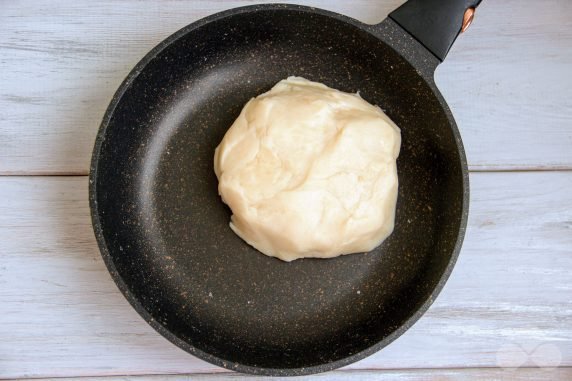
[[506, 311]]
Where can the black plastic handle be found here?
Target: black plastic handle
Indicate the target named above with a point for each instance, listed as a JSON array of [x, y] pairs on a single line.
[[434, 23]]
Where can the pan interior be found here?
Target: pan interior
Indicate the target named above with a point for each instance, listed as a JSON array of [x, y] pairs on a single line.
[[166, 229]]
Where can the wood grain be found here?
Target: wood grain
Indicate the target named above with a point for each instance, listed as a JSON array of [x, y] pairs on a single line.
[[482, 374], [507, 79], [506, 304], [506, 307]]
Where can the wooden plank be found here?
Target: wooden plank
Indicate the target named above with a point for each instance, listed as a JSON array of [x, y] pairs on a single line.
[[475, 374], [506, 304], [507, 79], [62, 62]]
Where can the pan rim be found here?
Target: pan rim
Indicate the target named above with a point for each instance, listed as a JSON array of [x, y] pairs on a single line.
[[227, 364]]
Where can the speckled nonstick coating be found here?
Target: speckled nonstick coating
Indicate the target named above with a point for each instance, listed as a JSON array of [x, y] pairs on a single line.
[[163, 230]]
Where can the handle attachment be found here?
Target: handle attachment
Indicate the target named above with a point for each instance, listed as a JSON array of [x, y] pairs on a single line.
[[435, 23]]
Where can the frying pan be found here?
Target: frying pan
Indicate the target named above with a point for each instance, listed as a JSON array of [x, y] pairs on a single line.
[[163, 230]]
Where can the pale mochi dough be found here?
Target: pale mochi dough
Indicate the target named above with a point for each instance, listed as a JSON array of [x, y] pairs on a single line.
[[309, 171]]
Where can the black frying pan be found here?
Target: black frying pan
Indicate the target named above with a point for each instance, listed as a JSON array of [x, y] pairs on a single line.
[[163, 230]]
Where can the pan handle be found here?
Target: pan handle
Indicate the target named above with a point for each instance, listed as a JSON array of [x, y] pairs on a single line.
[[435, 23]]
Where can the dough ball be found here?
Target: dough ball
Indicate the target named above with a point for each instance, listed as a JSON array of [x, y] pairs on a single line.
[[309, 171]]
